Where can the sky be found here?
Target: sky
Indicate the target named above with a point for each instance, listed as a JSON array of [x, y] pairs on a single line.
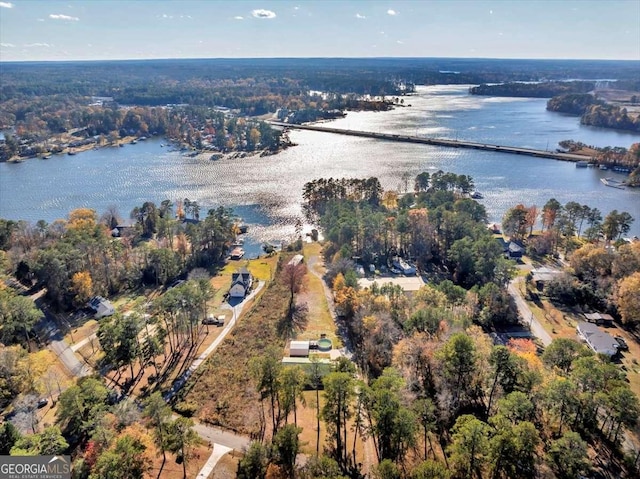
[[109, 30]]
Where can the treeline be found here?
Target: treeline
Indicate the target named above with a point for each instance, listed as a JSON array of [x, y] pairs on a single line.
[[534, 90], [77, 258], [108, 438], [594, 112]]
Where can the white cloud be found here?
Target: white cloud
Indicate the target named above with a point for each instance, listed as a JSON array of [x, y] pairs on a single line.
[[296, 8], [490, 12], [6, 5], [362, 17], [261, 13], [238, 17], [399, 42], [391, 12], [40, 19], [7, 45], [37, 45], [67, 18]]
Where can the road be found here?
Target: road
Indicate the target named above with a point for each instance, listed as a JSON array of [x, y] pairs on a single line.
[[439, 142], [526, 315]]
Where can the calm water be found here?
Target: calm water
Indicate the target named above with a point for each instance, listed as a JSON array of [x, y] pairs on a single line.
[[266, 192]]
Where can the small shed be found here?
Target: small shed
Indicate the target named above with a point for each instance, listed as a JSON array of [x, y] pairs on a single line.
[[599, 318], [299, 348]]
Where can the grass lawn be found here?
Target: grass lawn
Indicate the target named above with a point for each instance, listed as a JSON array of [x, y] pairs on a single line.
[[320, 320], [261, 269], [227, 467]]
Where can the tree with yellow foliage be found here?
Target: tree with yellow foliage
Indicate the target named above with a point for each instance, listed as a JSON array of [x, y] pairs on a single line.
[[628, 299], [82, 286]]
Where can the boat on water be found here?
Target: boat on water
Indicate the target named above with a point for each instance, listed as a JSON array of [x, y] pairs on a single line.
[[612, 183], [71, 152], [603, 167], [476, 195], [46, 157], [582, 164]]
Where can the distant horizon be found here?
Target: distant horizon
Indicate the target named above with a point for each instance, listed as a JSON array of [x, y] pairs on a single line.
[[107, 60], [83, 30]]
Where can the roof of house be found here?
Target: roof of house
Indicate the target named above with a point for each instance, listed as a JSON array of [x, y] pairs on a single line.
[[600, 341], [296, 260], [598, 316], [515, 248]]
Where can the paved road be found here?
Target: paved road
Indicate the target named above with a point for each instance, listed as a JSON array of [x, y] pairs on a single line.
[[526, 315], [226, 438], [216, 455], [237, 310]]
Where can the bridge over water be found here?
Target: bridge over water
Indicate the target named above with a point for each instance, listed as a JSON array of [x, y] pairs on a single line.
[[439, 142]]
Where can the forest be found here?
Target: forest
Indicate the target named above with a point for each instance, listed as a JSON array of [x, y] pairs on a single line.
[[427, 387]]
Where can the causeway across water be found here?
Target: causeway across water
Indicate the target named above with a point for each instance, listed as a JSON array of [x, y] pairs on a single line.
[[439, 142]]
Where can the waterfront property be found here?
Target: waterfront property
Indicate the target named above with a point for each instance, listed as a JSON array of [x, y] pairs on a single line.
[[241, 282]]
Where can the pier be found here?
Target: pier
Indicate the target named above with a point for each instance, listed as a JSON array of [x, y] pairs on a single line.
[[514, 150]]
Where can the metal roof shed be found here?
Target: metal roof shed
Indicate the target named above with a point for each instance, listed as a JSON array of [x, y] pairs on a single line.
[[299, 348]]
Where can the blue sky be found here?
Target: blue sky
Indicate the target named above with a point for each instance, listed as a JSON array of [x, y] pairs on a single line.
[[103, 29]]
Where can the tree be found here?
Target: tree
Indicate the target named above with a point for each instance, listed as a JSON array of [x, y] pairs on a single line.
[[9, 435], [616, 224], [561, 353], [628, 299], [82, 286], [338, 393], [458, 359], [514, 222], [292, 277], [80, 406], [505, 374], [315, 379], [421, 182], [286, 446], [126, 459], [568, 455], [292, 380], [266, 373], [430, 470], [469, 446], [425, 411], [253, 464], [158, 413], [180, 440], [391, 424], [49, 442], [18, 315]]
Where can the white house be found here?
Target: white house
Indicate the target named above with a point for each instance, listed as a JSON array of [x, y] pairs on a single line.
[[240, 283], [599, 341], [402, 265], [101, 307]]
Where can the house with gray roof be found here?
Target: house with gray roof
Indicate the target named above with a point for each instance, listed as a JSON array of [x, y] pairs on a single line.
[[598, 340]]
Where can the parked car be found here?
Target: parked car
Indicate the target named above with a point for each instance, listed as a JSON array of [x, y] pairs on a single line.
[[211, 319], [622, 344], [42, 402]]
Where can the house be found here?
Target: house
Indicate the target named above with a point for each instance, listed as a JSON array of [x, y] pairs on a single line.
[[299, 348], [599, 341], [599, 318], [101, 307], [240, 283], [402, 265], [514, 250], [543, 275]]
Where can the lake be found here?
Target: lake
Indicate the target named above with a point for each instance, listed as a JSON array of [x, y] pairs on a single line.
[[266, 191]]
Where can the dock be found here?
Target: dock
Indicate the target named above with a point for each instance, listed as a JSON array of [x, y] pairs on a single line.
[[514, 150]]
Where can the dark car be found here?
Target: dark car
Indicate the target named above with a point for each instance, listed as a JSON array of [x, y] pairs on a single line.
[[42, 402], [622, 344], [210, 320]]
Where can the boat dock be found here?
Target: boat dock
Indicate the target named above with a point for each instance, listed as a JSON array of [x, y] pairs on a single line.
[[438, 142]]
